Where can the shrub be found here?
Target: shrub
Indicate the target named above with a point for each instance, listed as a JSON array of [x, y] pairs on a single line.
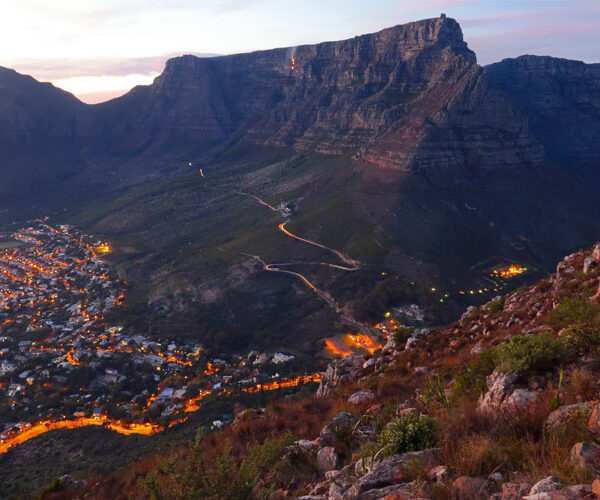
[[523, 354], [410, 433], [401, 335], [496, 306], [574, 311], [581, 338], [470, 381]]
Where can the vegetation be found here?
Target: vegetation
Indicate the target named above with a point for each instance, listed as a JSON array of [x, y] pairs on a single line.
[[522, 354], [412, 432], [220, 479]]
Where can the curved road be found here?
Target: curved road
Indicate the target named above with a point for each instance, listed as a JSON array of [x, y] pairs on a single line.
[[352, 265]]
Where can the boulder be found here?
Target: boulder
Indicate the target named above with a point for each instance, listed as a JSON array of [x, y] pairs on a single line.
[[498, 386], [514, 491], [578, 492], [562, 415], [328, 459], [341, 423], [473, 488], [392, 470], [361, 397], [438, 473], [586, 455], [519, 400], [596, 253], [339, 371], [549, 483], [396, 491], [588, 264], [594, 421]]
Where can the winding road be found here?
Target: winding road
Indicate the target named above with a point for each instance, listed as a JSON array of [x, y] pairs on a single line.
[[351, 265]]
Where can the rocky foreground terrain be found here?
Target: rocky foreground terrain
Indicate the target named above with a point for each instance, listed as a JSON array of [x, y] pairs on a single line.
[[503, 404]]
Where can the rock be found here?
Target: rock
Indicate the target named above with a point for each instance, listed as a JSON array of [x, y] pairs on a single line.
[[594, 422], [370, 362], [339, 371], [421, 370], [336, 492], [563, 414], [498, 386], [472, 488], [596, 487], [327, 459], [305, 445], [312, 497], [392, 470], [596, 253], [361, 397], [586, 455], [578, 492], [396, 491], [588, 264], [514, 491], [550, 483], [438, 473]]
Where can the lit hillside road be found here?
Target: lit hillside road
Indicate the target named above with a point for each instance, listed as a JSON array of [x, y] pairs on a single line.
[[354, 263]]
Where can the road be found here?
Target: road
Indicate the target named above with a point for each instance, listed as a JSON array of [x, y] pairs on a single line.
[[351, 265]]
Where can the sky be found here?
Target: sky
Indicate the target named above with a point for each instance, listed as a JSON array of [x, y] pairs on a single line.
[[99, 49]]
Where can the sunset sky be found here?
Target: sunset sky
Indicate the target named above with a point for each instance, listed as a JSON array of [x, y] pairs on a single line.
[[100, 49]]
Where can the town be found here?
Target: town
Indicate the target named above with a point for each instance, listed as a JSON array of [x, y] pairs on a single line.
[[62, 365]]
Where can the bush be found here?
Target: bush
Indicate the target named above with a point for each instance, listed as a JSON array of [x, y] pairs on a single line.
[[579, 311], [523, 354], [410, 433], [470, 381], [401, 335], [581, 338], [496, 306]]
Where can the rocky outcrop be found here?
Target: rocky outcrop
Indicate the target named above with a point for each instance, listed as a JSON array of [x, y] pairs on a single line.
[[339, 371]]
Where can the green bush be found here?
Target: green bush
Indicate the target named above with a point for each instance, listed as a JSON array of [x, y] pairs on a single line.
[[470, 381], [410, 433], [578, 338], [401, 335], [496, 306], [523, 354], [577, 311]]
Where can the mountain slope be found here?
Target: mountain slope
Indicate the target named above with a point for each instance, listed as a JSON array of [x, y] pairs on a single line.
[[394, 148]]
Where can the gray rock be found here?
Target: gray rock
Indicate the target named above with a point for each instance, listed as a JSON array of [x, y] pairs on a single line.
[[520, 399], [514, 491], [578, 492], [586, 455], [588, 264], [399, 491], [392, 470], [498, 386], [563, 414], [328, 459], [339, 371], [549, 483], [361, 397], [438, 473]]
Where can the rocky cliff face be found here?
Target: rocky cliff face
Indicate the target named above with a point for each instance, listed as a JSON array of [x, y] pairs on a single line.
[[561, 99], [413, 93]]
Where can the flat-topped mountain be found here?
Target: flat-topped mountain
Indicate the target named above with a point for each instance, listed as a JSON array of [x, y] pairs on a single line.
[[395, 148]]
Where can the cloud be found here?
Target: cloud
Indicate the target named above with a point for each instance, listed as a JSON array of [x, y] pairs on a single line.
[[54, 69]]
